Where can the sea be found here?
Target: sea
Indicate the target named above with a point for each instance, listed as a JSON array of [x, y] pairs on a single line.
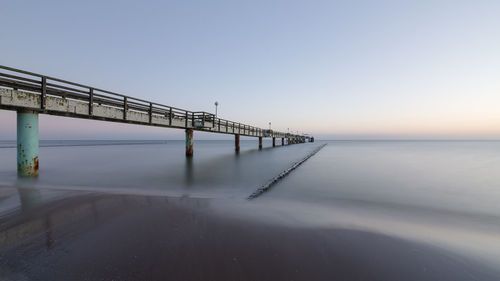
[[441, 199]]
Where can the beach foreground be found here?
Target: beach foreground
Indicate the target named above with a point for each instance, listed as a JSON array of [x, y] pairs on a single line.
[[96, 236]]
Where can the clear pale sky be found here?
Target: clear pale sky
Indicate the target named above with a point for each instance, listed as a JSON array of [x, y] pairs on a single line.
[[336, 69]]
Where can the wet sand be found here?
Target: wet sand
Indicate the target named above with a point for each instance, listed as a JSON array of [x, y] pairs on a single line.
[[123, 237]]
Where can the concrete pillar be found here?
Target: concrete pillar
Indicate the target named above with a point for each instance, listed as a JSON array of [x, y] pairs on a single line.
[[189, 142], [274, 141], [282, 141], [27, 143], [260, 142], [237, 143]]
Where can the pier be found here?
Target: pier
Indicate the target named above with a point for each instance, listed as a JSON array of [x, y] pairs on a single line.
[[31, 94]]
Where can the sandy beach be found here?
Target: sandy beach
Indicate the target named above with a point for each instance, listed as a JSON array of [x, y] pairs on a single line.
[[95, 236]]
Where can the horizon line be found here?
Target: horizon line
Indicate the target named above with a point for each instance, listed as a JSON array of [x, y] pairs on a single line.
[[316, 139]]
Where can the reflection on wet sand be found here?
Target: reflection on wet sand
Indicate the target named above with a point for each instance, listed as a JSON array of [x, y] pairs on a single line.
[[33, 219], [126, 237], [29, 198], [37, 217]]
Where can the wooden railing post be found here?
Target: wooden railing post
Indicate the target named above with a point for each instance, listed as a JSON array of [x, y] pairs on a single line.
[[125, 108], [91, 102], [43, 93], [150, 113]]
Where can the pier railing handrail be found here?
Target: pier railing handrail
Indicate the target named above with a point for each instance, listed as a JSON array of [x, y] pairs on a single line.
[[77, 84], [66, 89]]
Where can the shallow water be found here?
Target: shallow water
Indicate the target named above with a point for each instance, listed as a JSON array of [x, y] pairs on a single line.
[[442, 194]]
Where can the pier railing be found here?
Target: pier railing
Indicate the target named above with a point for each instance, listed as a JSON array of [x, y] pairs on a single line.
[[47, 86]]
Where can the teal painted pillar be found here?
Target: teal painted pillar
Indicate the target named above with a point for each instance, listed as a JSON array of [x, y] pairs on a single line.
[[189, 142], [27, 143]]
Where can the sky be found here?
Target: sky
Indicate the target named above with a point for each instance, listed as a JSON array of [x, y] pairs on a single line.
[[334, 69]]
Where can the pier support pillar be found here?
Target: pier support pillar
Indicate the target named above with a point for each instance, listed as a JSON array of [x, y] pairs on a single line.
[[237, 143], [189, 142], [27, 143], [282, 141], [260, 142], [274, 141]]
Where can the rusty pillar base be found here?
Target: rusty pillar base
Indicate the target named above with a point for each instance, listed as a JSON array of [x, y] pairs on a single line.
[[260, 142], [27, 143], [237, 143], [189, 142]]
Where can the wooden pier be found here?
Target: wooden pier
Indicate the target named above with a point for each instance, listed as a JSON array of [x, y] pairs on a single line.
[[31, 94]]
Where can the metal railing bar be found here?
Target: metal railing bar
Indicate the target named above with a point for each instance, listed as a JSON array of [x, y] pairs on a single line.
[[19, 78], [66, 88]]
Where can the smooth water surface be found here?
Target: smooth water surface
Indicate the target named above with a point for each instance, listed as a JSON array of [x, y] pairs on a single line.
[[442, 195], [155, 168]]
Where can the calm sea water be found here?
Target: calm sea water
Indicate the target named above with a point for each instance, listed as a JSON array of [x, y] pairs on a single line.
[[444, 193], [458, 175]]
